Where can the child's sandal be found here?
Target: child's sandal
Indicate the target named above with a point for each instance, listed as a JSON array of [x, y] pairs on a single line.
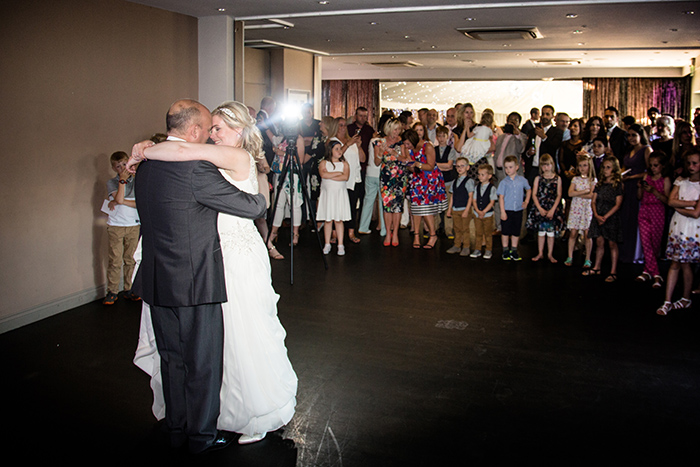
[[587, 264], [591, 272], [682, 304], [658, 282], [611, 278], [568, 261], [664, 309], [643, 277]]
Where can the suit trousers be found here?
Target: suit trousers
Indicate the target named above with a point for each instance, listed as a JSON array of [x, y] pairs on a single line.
[[190, 342]]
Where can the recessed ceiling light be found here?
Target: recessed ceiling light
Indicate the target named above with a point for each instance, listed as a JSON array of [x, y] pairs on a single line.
[[222, 9], [372, 23], [577, 31], [581, 43], [688, 12], [571, 15], [324, 2], [433, 46], [406, 37], [469, 18]]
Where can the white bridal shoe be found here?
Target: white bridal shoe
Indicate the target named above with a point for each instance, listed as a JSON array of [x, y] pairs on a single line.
[[247, 439]]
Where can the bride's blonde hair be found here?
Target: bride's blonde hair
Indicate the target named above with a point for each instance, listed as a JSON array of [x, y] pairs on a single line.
[[236, 115]]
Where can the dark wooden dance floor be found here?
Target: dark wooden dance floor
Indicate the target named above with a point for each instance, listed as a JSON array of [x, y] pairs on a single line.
[[404, 357]]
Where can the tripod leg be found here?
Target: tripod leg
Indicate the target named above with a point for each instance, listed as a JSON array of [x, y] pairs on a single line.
[[311, 210], [273, 207]]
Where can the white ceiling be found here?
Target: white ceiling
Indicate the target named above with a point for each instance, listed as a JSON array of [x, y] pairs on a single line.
[[608, 37]]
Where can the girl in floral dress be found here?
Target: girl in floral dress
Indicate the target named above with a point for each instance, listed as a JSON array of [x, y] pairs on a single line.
[[580, 213], [546, 216], [683, 247]]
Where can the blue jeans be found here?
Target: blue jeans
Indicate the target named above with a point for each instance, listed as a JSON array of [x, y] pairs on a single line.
[[372, 185]]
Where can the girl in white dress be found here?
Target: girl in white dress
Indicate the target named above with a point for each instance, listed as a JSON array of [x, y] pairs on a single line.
[[478, 145], [258, 391], [333, 202], [683, 248]]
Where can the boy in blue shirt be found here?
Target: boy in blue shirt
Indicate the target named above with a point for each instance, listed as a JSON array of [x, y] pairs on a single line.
[[513, 197]]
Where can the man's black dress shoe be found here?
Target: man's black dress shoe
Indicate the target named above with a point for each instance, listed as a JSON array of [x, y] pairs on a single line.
[[223, 439]]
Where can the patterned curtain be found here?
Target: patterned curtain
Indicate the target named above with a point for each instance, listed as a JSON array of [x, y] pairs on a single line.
[[340, 98], [634, 96]]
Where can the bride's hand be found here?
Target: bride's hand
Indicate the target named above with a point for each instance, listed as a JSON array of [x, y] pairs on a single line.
[[137, 155]]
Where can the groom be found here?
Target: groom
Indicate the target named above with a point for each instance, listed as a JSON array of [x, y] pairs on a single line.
[[181, 275]]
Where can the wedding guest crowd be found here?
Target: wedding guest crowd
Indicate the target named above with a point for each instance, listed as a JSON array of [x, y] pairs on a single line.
[[606, 180]]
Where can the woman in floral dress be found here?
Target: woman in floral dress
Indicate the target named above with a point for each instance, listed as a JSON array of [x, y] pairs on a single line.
[[427, 192], [393, 175]]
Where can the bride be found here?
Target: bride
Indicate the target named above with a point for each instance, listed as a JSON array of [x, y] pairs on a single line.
[[258, 391]]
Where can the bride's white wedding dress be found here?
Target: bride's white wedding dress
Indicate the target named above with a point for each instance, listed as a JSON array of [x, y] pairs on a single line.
[[258, 391]]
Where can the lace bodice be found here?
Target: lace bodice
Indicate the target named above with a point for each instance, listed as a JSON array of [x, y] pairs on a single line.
[[251, 184], [235, 232]]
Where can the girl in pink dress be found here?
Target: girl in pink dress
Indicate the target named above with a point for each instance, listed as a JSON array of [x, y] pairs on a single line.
[[653, 192]]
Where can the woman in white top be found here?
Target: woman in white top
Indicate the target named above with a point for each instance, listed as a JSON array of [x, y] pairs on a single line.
[[354, 155]]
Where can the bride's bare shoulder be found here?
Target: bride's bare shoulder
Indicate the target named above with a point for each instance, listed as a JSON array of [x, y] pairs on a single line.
[[238, 164]]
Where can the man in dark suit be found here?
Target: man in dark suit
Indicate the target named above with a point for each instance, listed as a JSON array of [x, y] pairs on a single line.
[[181, 275], [617, 137], [530, 124], [545, 138]]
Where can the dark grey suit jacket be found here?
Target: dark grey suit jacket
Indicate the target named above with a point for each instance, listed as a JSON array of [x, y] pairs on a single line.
[[178, 203], [548, 146], [618, 143]]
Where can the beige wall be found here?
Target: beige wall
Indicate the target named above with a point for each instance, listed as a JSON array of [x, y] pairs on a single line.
[[298, 71], [257, 76], [290, 69], [273, 72], [80, 79]]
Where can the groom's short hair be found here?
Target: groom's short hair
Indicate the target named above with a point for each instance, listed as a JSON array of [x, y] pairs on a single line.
[[182, 114]]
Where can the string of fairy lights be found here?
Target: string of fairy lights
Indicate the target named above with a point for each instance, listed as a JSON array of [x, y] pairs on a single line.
[[502, 97]]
